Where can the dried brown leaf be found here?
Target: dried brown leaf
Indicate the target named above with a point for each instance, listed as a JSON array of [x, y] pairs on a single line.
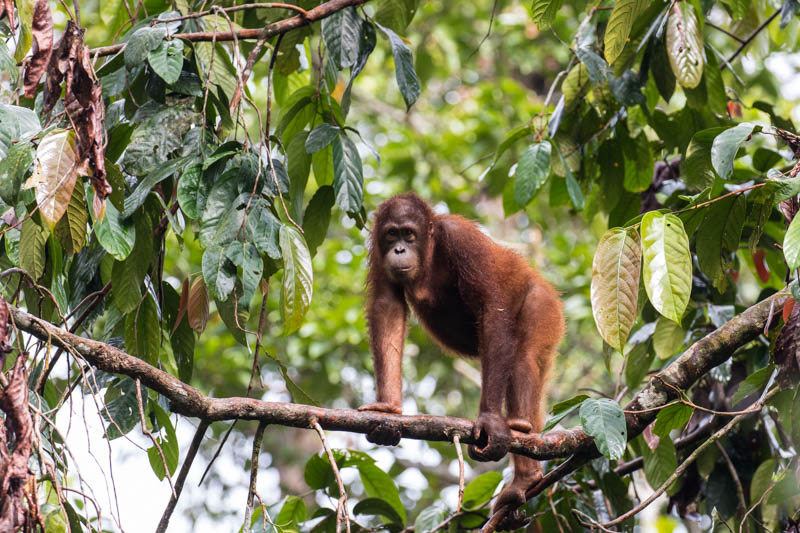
[[4, 314], [7, 8], [42, 27], [198, 305]]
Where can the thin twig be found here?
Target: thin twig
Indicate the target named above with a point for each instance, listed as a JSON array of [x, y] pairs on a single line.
[[457, 443], [341, 508], [723, 30], [269, 5], [750, 38], [257, 440]]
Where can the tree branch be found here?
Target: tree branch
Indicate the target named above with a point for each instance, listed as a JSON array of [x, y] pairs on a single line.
[[282, 26]]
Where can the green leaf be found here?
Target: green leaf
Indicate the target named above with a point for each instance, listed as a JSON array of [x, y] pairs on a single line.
[[322, 165], [114, 234], [224, 213], [321, 136], [348, 180], [296, 113], [685, 45], [245, 256], [141, 43], [168, 443], [430, 517], [317, 217], [297, 278], [562, 409], [638, 364], [718, 238], [298, 168], [667, 264], [340, 32], [395, 14], [604, 420], [292, 513], [667, 338], [671, 417], [696, 168], [407, 79], [753, 383], [12, 170], [136, 198], [615, 285], [376, 506], [261, 228], [378, 484], [725, 146], [182, 342], [16, 124], [715, 86], [189, 187], [157, 138], [219, 272], [32, 248], [167, 60], [234, 313], [660, 463], [143, 332], [532, 172], [638, 164], [791, 244], [619, 26], [543, 12], [122, 406], [481, 489], [318, 473], [761, 479]]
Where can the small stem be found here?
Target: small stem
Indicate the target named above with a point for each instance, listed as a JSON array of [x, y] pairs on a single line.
[[257, 440], [341, 508], [457, 442]]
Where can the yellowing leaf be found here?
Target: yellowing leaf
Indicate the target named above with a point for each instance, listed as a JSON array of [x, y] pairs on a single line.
[[667, 264], [54, 173], [685, 45], [619, 26], [615, 284]]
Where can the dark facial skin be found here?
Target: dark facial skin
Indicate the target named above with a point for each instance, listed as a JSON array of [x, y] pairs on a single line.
[[476, 299]]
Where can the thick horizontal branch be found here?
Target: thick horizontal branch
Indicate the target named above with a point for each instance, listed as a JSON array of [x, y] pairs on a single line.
[[282, 26], [184, 399]]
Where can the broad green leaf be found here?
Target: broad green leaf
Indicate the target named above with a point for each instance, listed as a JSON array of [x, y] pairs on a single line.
[[718, 238], [667, 264], [141, 43], [762, 479], [378, 484], [696, 168], [234, 312], [321, 136], [71, 229], [182, 341], [340, 31], [298, 167], [137, 197], [317, 217], [220, 71], [376, 506], [725, 146], [673, 416], [638, 164], [292, 513], [532, 172], [715, 86], [245, 256], [576, 84], [562, 409], [791, 244], [667, 338], [157, 138], [395, 14], [12, 170], [224, 214], [595, 65], [639, 361], [660, 463], [219, 272], [189, 187], [318, 473], [167, 60], [143, 331], [604, 420], [753, 383], [123, 408], [296, 113], [481, 489], [322, 165], [261, 228], [407, 79], [168, 442], [54, 174], [685, 45], [543, 12], [297, 278], [32, 248], [128, 275], [366, 44], [619, 26], [115, 235], [16, 124], [615, 284], [348, 178], [430, 517]]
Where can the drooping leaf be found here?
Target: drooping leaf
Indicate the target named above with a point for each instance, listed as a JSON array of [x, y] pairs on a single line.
[[42, 30], [71, 229], [667, 338], [115, 234], [395, 14], [619, 26], [262, 227], [320, 137], [32, 248], [245, 256], [725, 146], [615, 284], [407, 79], [348, 178], [543, 12], [143, 332], [167, 60], [378, 484], [661, 463], [685, 45], [340, 32], [292, 513], [297, 278], [481, 489], [718, 238], [604, 420], [667, 264], [317, 217], [137, 197], [532, 172], [54, 173]]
